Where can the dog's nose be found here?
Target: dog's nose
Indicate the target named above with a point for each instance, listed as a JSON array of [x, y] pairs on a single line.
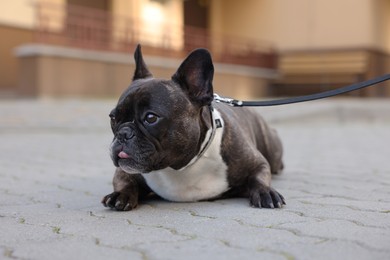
[[124, 134]]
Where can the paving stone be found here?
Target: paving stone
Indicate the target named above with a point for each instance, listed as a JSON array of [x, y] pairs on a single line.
[[55, 168]]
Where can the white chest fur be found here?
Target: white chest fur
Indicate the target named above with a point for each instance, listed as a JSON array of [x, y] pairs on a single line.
[[205, 179]]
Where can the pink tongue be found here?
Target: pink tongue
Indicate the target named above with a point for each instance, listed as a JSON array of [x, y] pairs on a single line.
[[123, 155]]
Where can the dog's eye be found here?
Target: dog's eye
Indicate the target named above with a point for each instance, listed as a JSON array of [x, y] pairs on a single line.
[[151, 118], [112, 121]]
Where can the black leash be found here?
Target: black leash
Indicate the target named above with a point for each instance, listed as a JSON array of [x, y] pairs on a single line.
[[325, 94]]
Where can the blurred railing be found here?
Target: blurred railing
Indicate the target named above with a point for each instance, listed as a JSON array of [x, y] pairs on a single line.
[[82, 27]]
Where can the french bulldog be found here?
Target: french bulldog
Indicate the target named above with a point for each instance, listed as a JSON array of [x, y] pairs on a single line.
[[171, 138]]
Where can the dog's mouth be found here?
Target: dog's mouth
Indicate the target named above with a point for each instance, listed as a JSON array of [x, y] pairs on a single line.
[[129, 164], [117, 153]]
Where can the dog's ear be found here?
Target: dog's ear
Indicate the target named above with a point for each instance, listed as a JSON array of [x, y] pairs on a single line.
[[141, 70], [195, 76]]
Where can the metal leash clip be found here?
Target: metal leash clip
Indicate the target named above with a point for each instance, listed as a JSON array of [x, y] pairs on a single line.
[[230, 101]]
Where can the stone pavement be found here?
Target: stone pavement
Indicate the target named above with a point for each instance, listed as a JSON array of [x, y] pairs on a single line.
[[55, 168]]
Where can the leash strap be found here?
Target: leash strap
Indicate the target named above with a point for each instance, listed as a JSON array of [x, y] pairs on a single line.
[[325, 94]]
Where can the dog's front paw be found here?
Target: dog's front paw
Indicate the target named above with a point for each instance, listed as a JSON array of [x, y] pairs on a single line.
[[266, 198], [120, 201]]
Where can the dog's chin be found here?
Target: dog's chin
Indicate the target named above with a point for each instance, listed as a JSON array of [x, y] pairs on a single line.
[[130, 169]]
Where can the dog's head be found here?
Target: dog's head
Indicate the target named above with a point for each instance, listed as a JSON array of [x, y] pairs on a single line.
[[161, 123]]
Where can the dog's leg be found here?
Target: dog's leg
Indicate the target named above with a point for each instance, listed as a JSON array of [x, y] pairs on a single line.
[[260, 192], [275, 152], [128, 190]]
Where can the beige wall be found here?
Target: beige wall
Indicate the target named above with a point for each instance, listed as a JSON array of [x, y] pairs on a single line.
[[153, 19], [162, 23], [17, 13], [9, 66], [322, 43], [152, 22], [306, 24], [59, 72], [382, 26], [21, 13], [291, 25]]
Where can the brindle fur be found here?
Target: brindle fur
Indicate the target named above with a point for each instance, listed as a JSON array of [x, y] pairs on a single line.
[[250, 148]]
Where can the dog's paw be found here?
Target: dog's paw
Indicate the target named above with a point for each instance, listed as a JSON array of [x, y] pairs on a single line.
[[120, 201], [266, 198]]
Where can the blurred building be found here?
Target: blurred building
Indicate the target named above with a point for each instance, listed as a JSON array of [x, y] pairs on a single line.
[[321, 43], [260, 47]]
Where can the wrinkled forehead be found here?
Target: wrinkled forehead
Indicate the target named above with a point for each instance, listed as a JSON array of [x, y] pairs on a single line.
[[150, 93]]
